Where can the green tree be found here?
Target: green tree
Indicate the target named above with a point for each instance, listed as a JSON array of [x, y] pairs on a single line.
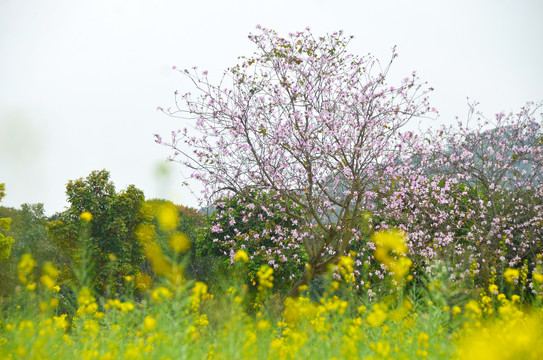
[[5, 241], [28, 229], [108, 238]]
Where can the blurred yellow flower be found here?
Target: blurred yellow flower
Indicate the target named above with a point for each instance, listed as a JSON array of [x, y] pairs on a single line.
[[242, 256], [519, 339], [265, 277], [161, 293], [391, 250], [31, 286], [378, 315], [168, 217], [143, 281], [149, 323], [25, 267], [54, 303], [145, 233], [511, 275], [179, 242], [48, 282], [50, 270], [263, 325], [86, 216]]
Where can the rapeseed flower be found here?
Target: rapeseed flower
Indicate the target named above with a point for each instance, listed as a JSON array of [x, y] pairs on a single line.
[[25, 267], [242, 256], [265, 277], [161, 293], [511, 275], [391, 250], [149, 323], [168, 217], [179, 242], [86, 216]]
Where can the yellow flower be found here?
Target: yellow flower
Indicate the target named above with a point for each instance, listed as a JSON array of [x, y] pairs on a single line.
[[485, 300], [85, 297], [242, 256], [61, 322], [50, 270], [381, 348], [145, 233], [179, 242], [31, 286], [149, 323], [538, 278], [391, 240], [199, 289], [391, 250], [43, 306], [127, 306], [86, 216], [263, 325], [456, 310], [265, 277], [53, 303], [473, 307], [48, 282], [143, 281], [161, 293], [345, 267], [509, 340], [493, 289], [378, 315], [511, 275], [25, 267], [99, 315], [168, 217]]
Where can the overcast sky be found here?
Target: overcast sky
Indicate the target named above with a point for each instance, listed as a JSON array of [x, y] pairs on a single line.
[[80, 81]]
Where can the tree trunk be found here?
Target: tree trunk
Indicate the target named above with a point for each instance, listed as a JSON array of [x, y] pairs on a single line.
[[305, 279]]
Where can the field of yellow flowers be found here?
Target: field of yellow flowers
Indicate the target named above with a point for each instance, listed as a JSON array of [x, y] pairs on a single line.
[[174, 318]]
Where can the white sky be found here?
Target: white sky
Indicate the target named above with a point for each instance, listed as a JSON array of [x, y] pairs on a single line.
[[80, 81]]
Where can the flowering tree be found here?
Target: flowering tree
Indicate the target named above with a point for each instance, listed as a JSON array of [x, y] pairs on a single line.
[[474, 193], [306, 122]]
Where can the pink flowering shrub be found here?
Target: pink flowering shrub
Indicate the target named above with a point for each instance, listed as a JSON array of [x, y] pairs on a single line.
[[472, 195]]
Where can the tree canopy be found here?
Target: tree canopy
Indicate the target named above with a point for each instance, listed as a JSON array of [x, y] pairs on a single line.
[[106, 230]]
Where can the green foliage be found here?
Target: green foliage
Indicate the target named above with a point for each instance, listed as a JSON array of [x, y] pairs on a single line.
[[108, 239], [28, 229], [5, 241]]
